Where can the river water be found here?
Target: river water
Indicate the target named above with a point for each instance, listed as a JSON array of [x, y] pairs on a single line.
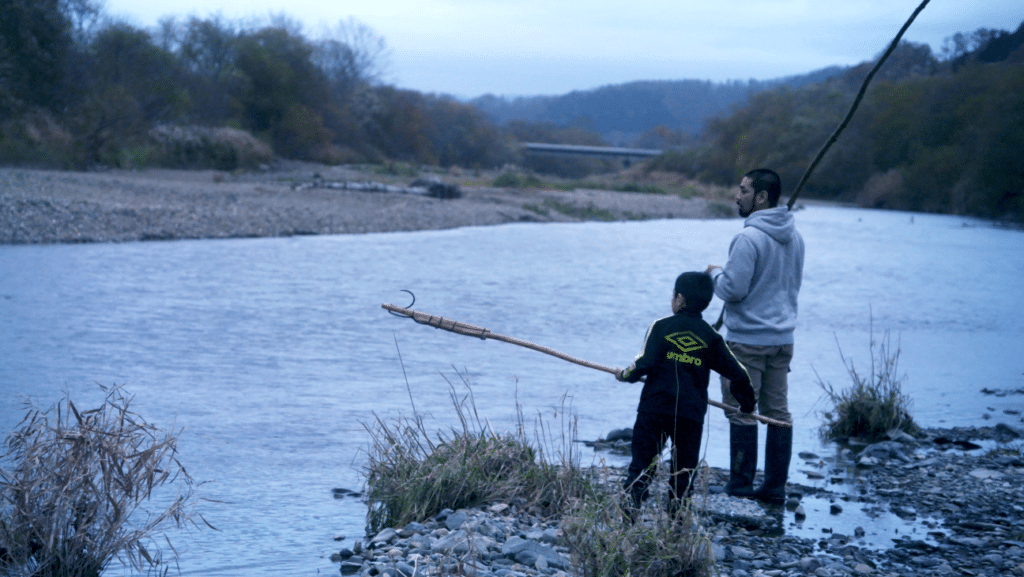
[[272, 354]]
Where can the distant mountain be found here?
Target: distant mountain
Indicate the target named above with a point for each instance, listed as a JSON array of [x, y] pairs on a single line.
[[620, 113]]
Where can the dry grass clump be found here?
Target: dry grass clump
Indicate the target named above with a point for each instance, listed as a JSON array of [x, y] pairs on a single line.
[[605, 544], [73, 490], [873, 404], [222, 148], [411, 476]]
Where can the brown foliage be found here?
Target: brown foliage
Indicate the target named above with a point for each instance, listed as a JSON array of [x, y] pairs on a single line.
[[76, 491]]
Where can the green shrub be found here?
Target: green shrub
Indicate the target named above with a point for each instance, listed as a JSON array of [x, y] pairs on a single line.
[[873, 404], [397, 169], [516, 180], [581, 212], [74, 496], [636, 187], [35, 139]]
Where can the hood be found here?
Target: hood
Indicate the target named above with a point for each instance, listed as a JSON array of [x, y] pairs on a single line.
[[777, 223]]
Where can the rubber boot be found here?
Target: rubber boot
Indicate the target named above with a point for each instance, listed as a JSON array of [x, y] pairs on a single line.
[[742, 460], [777, 452]]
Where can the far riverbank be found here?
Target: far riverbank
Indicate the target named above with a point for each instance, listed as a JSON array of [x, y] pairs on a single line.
[[46, 207]]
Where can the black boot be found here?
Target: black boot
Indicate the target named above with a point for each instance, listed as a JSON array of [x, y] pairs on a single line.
[[635, 485], [777, 452], [742, 460]]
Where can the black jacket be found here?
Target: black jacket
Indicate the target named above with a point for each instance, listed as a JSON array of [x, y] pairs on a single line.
[[679, 353]]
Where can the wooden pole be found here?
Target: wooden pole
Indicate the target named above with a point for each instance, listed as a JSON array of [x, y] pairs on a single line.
[[856, 102], [482, 333]]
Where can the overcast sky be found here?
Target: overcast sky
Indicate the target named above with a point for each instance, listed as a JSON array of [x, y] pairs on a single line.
[[530, 47]]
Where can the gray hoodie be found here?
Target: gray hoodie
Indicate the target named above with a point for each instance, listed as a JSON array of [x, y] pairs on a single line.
[[760, 282]]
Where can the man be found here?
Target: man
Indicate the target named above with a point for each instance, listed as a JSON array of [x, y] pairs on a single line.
[[759, 285]]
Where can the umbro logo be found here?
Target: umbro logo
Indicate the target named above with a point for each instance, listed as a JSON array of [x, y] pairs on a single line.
[[686, 341]]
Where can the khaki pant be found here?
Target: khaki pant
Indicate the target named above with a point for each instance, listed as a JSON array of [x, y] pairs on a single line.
[[768, 368]]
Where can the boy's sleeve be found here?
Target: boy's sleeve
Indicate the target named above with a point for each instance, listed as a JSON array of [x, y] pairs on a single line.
[[645, 359], [739, 380]]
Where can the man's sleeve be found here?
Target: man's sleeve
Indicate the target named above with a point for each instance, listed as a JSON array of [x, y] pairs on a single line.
[[732, 282], [645, 360]]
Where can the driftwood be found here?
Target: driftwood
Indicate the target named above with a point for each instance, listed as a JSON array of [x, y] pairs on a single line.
[[482, 333]]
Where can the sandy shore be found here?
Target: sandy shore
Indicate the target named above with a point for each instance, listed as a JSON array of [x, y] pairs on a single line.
[[39, 206]]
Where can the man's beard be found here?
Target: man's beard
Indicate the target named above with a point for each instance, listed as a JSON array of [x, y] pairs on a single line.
[[744, 213]]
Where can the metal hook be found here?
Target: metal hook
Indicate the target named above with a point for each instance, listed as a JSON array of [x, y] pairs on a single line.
[[408, 307]]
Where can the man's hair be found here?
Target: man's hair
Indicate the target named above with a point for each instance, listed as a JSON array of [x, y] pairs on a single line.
[[696, 288], [767, 180]]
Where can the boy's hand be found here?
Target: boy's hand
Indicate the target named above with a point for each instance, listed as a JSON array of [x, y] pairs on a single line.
[[711, 267], [747, 407], [619, 376]]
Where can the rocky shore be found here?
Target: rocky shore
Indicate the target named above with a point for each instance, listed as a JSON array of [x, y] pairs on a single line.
[[961, 506], [38, 206]]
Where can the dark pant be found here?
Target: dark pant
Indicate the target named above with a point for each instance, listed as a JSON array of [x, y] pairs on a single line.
[[649, 435]]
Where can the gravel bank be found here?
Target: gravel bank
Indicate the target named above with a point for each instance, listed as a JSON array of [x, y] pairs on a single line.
[[121, 206], [970, 503]]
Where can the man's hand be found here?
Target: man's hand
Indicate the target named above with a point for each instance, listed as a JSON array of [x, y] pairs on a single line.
[[711, 267], [619, 376]]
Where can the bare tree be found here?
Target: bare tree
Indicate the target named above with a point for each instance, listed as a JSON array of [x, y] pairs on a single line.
[[84, 16], [352, 53], [962, 43]]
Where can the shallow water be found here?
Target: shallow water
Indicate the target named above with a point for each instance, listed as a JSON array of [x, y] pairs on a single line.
[[273, 353]]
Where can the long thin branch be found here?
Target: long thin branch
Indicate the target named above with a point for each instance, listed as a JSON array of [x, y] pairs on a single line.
[[860, 95]]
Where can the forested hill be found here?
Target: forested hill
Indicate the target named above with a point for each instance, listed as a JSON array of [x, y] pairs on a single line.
[[934, 135], [621, 113]]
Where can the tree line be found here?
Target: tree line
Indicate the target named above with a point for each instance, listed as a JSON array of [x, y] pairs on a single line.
[[78, 90], [933, 134]]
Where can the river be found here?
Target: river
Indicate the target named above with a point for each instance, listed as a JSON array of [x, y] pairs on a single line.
[[273, 353]]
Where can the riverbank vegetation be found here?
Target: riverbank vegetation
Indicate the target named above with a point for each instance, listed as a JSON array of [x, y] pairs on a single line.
[[873, 405], [74, 489], [413, 474]]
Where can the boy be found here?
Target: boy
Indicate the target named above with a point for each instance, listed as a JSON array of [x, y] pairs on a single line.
[[678, 353]]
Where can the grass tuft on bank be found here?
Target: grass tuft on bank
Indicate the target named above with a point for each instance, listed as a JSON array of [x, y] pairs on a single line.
[[874, 403], [604, 544], [412, 474]]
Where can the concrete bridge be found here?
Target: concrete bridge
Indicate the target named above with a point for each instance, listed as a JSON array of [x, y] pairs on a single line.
[[629, 154]]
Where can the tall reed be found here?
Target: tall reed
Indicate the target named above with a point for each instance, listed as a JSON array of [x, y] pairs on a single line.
[[75, 486]]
